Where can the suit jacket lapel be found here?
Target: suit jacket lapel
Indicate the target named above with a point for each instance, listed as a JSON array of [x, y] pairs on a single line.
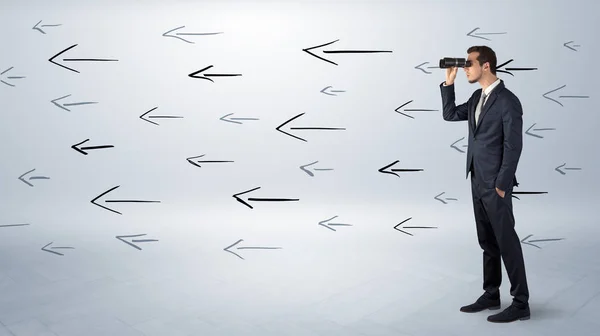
[[472, 112], [488, 103]]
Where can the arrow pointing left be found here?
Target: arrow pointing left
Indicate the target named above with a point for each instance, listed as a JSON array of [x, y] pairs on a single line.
[[411, 227], [51, 60], [566, 168], [508, 70], [325, 223], [304, 128], [63, 106], [308, 51], [9, 77], [37, 26], [190, 160], [393, 171], [479, 35], [255, 199], [530, 242], [32, 178], [56, 248], [117, 201], [411, 110], [121, 238], [168, 34], [227, 249], [157, 116], [207, 76], [82, 150]]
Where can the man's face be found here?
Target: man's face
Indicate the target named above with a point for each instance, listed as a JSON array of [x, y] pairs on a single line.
[[474, 71]]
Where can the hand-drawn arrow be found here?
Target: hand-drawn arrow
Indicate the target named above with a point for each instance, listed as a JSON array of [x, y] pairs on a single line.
[[247, 248], [556, 101], [156, 116], [303, 167], [254, 199], [235, 120], [566, 44], [437, 197], [527, 193], [206, 76], [168, 34], [325, 223], [82, 150], [530, 242], [458, 149], [412, 227], [333, 92], [77, 59], [420, 67], [117, 201], [304, 128], [56, 247], [562, 172], [135, 240], [508, 70], [12, 225], [537, 129], [32, 178], [478, 35], [392, 171], [411, 110], [308, 50], [9, 77], [46, 25], [62, 106], [204, 161]]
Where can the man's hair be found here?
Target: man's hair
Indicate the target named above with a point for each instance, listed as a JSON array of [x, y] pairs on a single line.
[[486, 54]]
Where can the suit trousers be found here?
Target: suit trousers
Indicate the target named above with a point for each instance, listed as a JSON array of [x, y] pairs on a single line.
[[497, 237]]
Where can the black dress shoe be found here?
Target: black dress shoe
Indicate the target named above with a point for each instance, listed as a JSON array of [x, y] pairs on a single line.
[[510, 314], [483, 302]]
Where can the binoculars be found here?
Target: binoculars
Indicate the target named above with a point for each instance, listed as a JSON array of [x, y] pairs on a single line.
[[449, 62]]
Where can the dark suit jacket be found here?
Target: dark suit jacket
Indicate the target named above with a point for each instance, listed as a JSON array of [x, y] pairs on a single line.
[[496, 143]]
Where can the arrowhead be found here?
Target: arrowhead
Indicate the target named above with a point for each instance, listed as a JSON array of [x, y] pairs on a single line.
[[383, 169], [102, 206], [306, 170], [193, 74], [167, 34], [224, 118], [454, 143], [554, 100], [323, 223], [150, 121], [241, 200], [78, 149], [65, 50], [559, 170], [308, 50], [419, 67], [232, 245], [278, 128], [566, 44], [37, 28], [528, 243], [439, 199], [471, 34], [195, 157]]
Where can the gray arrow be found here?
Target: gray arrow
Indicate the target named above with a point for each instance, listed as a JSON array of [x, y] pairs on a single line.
[[420, 67], [32, 178], [437, 197], [37, 26], [12, 225], [316, 169], [9, 77], [157, 116], [168, 34], [566, 44], [478, 35], [324, 90], [562, 172], [537, 129], [234, 120], [556, 101], [135, 240], [56, 247], [329, 225], [458, 149], [63, 106], [247, 248], [530, 242]]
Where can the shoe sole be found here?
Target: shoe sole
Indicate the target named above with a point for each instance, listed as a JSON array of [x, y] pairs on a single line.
[[477, 311], [519, 319]]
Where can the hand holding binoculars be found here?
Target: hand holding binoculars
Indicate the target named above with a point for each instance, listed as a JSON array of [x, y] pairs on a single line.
[[449, 62]]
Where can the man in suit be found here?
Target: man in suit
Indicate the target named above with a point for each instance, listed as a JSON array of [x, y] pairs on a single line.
[[494, 116]]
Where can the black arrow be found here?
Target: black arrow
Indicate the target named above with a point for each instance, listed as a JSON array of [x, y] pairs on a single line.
[[168, 34], [156, 116], [82, 150], [12, 225], [77, 59], [325, 223], [63, 106], [478, 35], [56, 247], [537, 129], [205, 161], [9, 77], [508, 70], [135, 240], [308, 50], [530, 242], [412, 227], [235, 120], [32, 178], [305, 128], [206, 76], [527, 193], [437, 197], [392, 171], [247, 248], [556, 101], [411, 110], [303, 168], [567, 168], [566, 45], [117, 201], [46, 25], [254, 199], [458, 149]]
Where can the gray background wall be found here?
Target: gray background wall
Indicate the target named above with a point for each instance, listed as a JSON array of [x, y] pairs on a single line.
[[197, 217]]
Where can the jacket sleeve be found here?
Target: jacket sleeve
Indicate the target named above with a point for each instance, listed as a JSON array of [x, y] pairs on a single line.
[[451, 112], [512, 128]]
